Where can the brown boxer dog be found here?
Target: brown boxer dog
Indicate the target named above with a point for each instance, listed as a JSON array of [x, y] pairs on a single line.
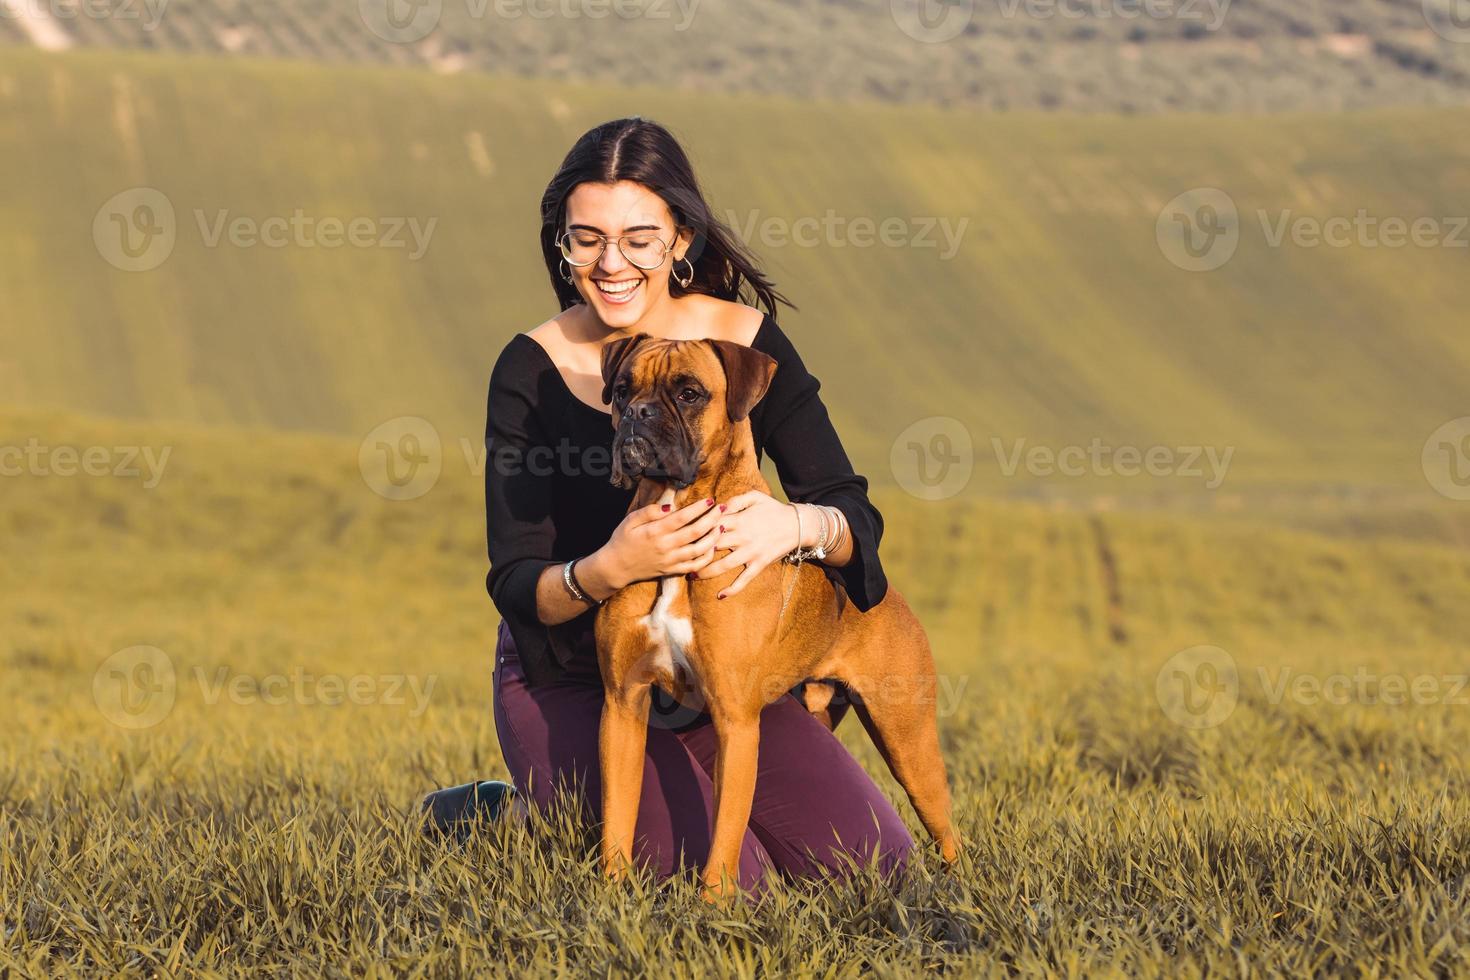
[[681, 410]]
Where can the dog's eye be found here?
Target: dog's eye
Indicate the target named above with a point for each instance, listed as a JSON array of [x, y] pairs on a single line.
[[689, 395], [620, 392]]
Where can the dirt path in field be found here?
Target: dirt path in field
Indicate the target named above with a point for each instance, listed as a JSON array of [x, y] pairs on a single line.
[[1108, 562]]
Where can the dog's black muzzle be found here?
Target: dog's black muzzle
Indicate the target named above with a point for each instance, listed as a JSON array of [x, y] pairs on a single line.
[[652, 449]]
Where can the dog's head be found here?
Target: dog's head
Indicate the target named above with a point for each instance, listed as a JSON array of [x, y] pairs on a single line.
[[674, 401]]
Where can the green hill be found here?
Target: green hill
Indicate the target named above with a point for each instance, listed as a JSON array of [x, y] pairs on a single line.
[[1054, 318]]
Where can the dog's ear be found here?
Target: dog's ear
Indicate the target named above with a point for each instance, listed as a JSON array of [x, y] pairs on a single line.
[[748, 374], [614, 353]]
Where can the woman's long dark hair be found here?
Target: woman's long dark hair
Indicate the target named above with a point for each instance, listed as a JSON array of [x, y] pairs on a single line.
[[642, 151]]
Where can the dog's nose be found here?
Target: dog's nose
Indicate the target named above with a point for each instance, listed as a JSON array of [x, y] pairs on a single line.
[[642, 411]]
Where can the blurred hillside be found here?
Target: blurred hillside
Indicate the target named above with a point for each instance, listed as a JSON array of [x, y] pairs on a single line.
[[1032, 294], [1083, 55], [277, 541]]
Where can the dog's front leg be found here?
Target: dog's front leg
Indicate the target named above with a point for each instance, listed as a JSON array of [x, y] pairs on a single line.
[[736, 757], [623, 736]]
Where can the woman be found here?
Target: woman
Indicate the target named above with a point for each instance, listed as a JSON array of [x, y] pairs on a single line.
[[631, 246]]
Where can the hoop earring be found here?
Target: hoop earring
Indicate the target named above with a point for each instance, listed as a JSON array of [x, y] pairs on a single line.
[[566, 276], [684, 282]]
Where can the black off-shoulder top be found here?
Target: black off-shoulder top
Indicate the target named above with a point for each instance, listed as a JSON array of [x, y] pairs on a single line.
[[548, 499]]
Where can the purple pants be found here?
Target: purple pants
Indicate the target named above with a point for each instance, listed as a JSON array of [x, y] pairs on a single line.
[[814, 805]]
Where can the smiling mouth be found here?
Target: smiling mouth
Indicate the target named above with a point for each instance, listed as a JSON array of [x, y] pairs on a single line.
[[620, 292]]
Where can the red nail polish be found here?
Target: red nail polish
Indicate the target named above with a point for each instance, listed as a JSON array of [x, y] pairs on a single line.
[[666, 507], [720, 596], [722, 508], [691, 576], [710, 501]]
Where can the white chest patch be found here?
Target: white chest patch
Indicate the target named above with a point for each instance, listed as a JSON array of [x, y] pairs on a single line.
[[670, 636]]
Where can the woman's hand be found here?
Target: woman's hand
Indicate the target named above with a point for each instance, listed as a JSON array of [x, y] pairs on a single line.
[[651, 542], [757, 529]]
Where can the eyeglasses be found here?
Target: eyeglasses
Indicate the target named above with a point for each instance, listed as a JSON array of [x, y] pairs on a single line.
[[642, 249]]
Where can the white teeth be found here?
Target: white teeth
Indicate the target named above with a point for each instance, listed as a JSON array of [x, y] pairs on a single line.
[[619, 291]]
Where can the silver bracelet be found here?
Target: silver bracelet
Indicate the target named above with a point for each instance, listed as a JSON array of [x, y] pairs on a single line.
[[839, 520], [799, 554]]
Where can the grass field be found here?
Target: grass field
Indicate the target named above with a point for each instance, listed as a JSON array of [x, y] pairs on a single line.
[[1051, 317], [1196, 722], [255, 826]]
